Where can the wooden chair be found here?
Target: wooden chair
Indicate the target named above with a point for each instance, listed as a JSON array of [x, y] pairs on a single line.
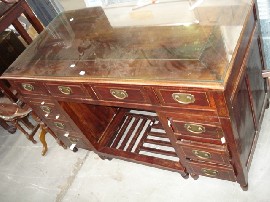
[[17, 113], [10, 11], [5, 90], [11, 112]]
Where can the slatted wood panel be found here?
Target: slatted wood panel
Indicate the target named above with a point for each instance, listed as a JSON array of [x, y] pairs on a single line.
[[142, 135]]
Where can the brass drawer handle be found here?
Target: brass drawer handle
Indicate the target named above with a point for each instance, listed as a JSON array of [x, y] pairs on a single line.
[[73, 140], [201, 154], [194, 128], [28, 87], [183, 98], [46, 109], [59, 125], [65, 90], [119, 94], [209, 172]]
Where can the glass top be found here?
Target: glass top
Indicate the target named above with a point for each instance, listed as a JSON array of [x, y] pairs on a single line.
[[187, 40]]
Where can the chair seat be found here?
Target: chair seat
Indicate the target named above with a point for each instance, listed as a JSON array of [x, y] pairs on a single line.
[[11, 111]]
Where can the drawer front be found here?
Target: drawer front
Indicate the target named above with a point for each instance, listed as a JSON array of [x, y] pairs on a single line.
[[181, 98], [31, 87], [190, 125], [61, 126], [68, 90], [205, 153], [208, 170], [121, 94], [47, 109], [197, 129]]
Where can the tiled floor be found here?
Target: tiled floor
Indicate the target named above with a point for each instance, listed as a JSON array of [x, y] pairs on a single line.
[[66, 176]]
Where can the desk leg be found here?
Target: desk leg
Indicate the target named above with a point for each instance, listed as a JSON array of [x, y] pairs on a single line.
[[43, 141], [47, 129], [185, 175], [194, 176], [59, 142], [104, 157], [244, 187]]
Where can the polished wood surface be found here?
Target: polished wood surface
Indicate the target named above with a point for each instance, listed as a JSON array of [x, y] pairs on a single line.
[[176, 97], [176, 54]]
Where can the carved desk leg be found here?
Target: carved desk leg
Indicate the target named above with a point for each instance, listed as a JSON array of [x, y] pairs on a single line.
[[59, 142], [43, 140], [44, 130]]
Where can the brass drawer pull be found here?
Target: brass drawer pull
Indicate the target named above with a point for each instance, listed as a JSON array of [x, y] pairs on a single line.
[[119, 94], [65, 90], [46, 109], [73, 140], [28, 87], [209, 172], [194, 128], [59, 125], [201, 154], [183, 98]]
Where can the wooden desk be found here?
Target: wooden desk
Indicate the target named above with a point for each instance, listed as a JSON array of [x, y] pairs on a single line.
[[200, 84]]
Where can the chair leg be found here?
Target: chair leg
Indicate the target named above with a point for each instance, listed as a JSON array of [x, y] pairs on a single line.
[[10, 128], [27, 123], [29, 137], [43, 140]]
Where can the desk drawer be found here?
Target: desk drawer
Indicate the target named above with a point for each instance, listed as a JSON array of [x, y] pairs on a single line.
[[79, 142], [68, 90], [48, 110], [197, 129], [210, 170], [63, 126], [72, 137], [205, 152], [182, 98], [186, 126], [31, 87], [121, 94]]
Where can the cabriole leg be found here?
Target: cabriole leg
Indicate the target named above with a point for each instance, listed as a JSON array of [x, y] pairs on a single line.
[[43, 141]]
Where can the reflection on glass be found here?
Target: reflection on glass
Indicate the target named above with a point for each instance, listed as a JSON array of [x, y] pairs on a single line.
[[64, 38], [161, 40]]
